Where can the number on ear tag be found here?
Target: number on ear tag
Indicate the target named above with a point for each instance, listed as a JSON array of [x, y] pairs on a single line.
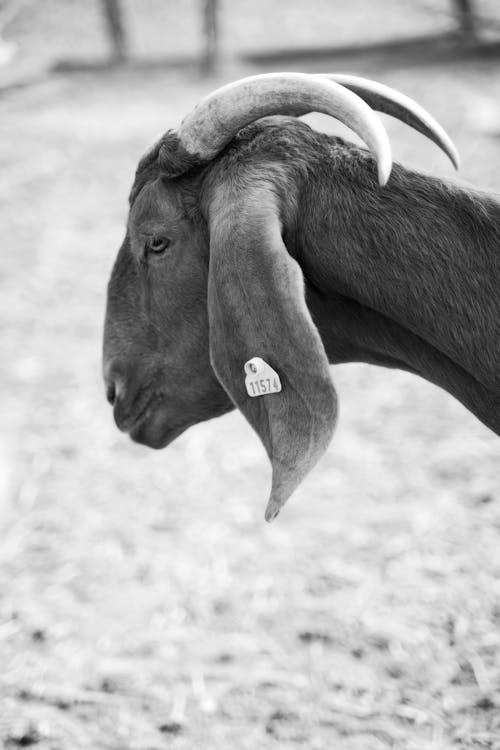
[[260, 378]]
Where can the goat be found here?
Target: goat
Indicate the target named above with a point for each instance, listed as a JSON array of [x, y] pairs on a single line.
[[251, 235]]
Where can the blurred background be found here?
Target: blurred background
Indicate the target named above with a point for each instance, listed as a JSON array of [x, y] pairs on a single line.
[[144, 603]]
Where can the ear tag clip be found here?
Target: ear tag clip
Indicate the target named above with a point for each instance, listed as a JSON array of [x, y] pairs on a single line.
[[260, 378]]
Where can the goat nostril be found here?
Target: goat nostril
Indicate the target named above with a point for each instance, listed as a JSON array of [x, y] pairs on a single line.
[[111, 393]]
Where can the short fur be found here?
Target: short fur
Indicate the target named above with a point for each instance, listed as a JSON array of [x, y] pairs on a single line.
[[405, 276]]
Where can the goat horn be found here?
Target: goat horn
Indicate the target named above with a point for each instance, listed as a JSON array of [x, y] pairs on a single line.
[[219, 116], [392, 102]]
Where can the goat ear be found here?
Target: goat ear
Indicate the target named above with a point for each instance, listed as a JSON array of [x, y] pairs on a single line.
[[257, 308]]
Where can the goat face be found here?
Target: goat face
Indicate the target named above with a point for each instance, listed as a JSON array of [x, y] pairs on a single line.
[[184, 314], [189, 293], [156, 356]]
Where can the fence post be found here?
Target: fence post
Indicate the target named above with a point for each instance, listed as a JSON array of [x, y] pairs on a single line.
[[466, 18], [210, 35], [113, 14]]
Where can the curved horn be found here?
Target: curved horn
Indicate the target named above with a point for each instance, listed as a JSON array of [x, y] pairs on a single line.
[[218, 117], [392, 102]]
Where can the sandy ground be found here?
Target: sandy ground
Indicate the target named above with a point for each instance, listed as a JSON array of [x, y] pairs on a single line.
[[144, 603]]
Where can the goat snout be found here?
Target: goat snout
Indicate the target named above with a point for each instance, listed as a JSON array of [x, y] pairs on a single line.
[[111, 393], [123, 393], [115, 378]]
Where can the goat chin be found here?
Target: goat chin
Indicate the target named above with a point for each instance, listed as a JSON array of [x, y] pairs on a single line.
[[156, 435]]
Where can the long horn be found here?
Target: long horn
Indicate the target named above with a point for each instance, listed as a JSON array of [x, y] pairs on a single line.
[[217, 118], [392, 102]]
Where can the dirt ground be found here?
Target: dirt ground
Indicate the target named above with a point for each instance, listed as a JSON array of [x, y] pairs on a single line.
[[144, 603]]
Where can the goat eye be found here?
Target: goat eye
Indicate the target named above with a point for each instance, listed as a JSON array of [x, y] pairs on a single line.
[[157, 244]]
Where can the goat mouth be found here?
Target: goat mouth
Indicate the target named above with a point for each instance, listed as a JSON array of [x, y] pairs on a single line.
[[153, 440], [154, 432], [134, 422]]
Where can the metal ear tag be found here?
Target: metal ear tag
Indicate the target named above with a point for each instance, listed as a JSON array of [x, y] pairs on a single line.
[[261, 379]]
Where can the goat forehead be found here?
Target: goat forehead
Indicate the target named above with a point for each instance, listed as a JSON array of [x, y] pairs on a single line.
[[154, 203]]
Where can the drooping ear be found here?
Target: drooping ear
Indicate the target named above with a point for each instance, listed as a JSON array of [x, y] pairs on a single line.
[[257, 308]]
